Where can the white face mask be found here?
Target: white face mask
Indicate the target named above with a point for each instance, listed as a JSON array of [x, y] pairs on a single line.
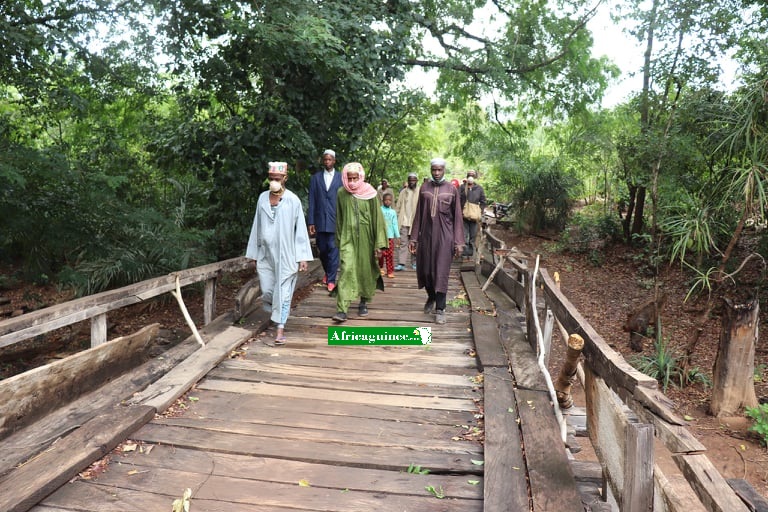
[[470, 180], [275, 186]]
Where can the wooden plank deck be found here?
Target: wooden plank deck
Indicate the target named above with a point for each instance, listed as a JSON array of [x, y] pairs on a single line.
[[310, 426]]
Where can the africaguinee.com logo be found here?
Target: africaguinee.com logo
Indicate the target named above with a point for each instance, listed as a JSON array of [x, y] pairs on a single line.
[[379, 335]]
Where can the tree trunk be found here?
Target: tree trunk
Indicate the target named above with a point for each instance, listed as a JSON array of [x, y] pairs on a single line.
[[626, 223], [733, 374], [637, 223]]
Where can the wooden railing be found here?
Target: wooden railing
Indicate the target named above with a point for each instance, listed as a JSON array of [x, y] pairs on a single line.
[[95, 307], [629, 420]]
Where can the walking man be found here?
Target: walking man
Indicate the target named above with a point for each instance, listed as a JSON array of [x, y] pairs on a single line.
[[471, 192], [280, 246], [321, 217], [437, 235], [406, 209]]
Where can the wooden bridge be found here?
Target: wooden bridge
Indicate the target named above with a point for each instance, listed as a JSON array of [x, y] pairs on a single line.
[[465, 423]]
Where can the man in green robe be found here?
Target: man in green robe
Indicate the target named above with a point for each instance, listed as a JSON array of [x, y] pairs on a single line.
[[360, 236]]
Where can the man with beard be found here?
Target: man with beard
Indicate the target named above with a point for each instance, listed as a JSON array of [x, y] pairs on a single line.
[[321, 217], [406, 209], [437, 235]]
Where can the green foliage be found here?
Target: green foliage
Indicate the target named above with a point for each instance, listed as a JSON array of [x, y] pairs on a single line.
[[663, 365], [760, 416], [589, 230], [416, 469], [142, 252], [438, 492], [543, 200]]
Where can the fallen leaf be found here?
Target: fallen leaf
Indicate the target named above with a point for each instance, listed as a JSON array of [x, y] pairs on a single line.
[[477, 462], [304, 483], [473, 482], [130, 447]]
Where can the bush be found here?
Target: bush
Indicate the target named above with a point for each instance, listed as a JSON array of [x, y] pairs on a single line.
[[144, 251], [663, 366], [543, 200], [588, 231], [760, 415]]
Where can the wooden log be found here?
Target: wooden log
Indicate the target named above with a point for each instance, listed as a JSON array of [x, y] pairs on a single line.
[[567, 375], [30, 395], [24, 487], [733, 385]]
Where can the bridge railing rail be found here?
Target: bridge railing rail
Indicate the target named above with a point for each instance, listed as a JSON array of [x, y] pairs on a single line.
[[627, 414], [96, 307]]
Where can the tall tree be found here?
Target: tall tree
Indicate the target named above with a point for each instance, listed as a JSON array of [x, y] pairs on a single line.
[[683, 42]]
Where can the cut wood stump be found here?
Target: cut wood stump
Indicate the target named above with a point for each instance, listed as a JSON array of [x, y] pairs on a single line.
[[733, 375]]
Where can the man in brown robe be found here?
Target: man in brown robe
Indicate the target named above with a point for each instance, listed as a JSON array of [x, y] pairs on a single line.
[[437, 235]]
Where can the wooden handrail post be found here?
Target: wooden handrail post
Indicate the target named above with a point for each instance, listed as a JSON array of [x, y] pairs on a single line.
[[98, 330], [209, 301], [567, 374]]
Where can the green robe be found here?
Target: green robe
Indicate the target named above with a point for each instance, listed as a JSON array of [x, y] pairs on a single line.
[[360, 229]]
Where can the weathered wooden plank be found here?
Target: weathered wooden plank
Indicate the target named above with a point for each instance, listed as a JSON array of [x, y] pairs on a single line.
[[366, 359], [638, 470], [709, 485], [606, 424], [389, 458], [259, 408], [488, 348], [477, 299], [671, 493], [176, 382], [28, 484], [676, 438], [333, 424], [468, 367], [212, 492], [377, 434], [41, 321], [605, 361], [32, 394], [325, 383], [288, 471], [522, 358], [418, 402], [429, 378], [506, 487], [552, 483], [755, 501]]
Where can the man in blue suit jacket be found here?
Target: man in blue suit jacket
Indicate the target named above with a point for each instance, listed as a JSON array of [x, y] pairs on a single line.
[[321, 219]]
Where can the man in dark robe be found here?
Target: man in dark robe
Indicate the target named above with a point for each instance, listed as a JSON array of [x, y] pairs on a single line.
[[437, 235]]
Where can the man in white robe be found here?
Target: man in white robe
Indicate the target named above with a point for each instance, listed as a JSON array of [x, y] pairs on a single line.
[[279, 243]]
